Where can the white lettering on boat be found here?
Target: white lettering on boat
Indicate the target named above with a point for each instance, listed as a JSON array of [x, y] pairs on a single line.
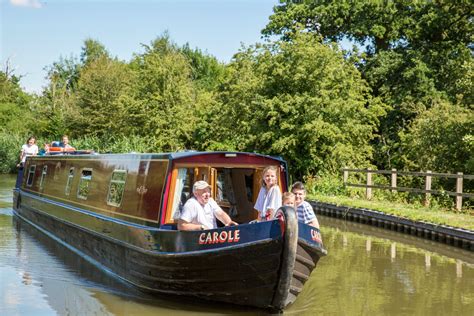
[[315, 235], [219, 237]]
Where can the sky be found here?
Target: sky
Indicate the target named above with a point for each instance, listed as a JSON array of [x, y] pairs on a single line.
[[36, 33]]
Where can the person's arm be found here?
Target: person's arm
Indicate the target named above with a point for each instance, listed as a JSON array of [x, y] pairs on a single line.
[[259, 202], [22, 152], [225, 218], [314, 222], [220, 214], [274, 201], [183, 225]]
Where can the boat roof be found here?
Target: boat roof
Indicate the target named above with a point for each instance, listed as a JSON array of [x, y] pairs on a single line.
[[168, 156], [185, 154]]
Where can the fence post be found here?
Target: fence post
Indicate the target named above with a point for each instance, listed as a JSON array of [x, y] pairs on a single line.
[[428, 188], [394, 180], [459, 191], [368, 190], [345, 175]]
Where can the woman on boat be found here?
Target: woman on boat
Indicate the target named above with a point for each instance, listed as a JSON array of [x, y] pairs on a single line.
[[28, 149], [269, 197]]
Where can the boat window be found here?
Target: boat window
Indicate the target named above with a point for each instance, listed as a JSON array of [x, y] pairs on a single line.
[[116, 187], [31, 175], [235, 192], [225, 196], [84, 184], [43, 176], [70, 176], [183, 190], [57, 171], [234, 189]]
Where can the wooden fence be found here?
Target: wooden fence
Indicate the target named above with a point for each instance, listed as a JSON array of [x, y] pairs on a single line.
[[427, 191]]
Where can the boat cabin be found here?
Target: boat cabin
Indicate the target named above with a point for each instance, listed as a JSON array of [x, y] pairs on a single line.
[[150, 189]]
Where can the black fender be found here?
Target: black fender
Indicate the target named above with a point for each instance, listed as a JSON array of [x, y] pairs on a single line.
[[289, 224]]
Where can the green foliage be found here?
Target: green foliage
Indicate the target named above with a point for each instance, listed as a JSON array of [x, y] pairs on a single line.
[[14, 118], [381, 25], [93, 50], [15, 114], [113, 144], [441, 139], [10, 90], [163, 96], [103, 86], [63, 76], [415, 54], [299, 100], [206, 71], [10, 145], [57, 111], [326, 184]]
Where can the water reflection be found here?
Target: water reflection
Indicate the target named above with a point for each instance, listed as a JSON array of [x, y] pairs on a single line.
[[375, 271], [66, 284], [368, 271]]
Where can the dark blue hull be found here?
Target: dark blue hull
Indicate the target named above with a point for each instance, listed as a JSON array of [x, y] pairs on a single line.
[[260, 265]]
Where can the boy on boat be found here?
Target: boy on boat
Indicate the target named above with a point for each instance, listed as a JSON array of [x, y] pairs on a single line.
[[304, 210], [200, 211]]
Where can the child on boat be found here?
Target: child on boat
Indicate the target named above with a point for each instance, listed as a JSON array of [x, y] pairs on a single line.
[[288, 199], [269, 197], [304, 210]]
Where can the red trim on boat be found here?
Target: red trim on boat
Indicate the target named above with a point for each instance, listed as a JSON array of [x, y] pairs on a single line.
[[165, 197]]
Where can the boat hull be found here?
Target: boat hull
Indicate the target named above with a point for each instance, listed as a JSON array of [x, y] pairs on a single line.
[[262, 268]]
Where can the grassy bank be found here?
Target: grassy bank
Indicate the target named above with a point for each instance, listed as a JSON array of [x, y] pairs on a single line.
[[410, 211]]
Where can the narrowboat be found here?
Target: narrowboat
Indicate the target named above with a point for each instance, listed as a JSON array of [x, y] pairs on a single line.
[[119, 211]]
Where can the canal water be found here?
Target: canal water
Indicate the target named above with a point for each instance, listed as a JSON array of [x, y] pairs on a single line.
[[368, 271]]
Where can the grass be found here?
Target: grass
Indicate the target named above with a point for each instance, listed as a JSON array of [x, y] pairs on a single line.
[[414, 212]]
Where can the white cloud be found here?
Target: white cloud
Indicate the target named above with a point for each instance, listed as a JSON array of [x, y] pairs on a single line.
[[26, 3]]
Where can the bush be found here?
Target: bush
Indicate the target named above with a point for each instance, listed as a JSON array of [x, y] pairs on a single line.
[[114, 144], [326, 184], [10, 146]]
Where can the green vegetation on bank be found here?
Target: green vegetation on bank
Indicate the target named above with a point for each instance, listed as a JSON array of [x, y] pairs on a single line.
[[415, 212], [401, 204]]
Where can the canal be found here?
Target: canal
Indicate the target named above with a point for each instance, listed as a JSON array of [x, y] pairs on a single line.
[[368, 271]]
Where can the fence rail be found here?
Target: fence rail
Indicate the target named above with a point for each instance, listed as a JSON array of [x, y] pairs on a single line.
[[428, 175]]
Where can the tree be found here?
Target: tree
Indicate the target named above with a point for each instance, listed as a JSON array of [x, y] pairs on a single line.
[[57, 109], [103, 86], [206, 71], [14, 105], [164, 96], [415, 53], [92, 50], [299, 100], [441, 138]]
